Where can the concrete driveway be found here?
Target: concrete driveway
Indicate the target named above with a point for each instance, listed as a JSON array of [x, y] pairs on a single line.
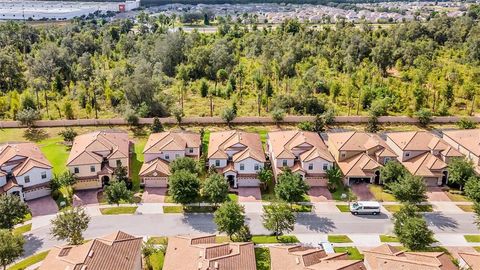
[[249, 194], [154, 195], [42, 206], [85, 197], [362, 192], [436, 194], [319, 194]]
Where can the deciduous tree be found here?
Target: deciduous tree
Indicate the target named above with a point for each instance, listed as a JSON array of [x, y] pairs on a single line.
[[12, 210], [290, 187], [215, 189], [409, 189], [230, 218], [69, 225], [11, 247], [184, 186], [278, 218]]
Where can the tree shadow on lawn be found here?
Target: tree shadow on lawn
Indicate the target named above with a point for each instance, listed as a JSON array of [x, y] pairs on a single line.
[[440, 221], [200, 222], [316, 223], [32, 245], [35, 134]]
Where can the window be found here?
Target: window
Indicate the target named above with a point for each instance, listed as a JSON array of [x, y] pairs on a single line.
[[27, 179], [343, 154], [325, 167], [92, 168], [242, 167], [167, 156], [310, 166], [190, 150], [177, 155], [284, 163], [76, 170], [217, 163], [256, 167], [44, 175], [119, 163], [407, 154]]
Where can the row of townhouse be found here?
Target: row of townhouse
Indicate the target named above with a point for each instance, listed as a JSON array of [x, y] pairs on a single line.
[[121, 251], [239, 156]]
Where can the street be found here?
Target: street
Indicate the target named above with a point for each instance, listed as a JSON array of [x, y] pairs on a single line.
[[307, 223]]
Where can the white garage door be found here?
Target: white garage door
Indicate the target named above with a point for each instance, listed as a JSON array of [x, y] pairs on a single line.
[[248, 182], [431, 182], [36, 193], [155, 181], [316, 182]]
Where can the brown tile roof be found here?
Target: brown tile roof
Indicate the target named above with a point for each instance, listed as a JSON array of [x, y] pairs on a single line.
[[86, 148], [298, 257], [469, 139], [283, 142], [157, 165], [422, 141], [9, 185], [118, 251], [248, 145], [425, 165], [471, 259], [203, 253], [387, 257], [171, 140], [361, 165], [29, 153], [358, 141]]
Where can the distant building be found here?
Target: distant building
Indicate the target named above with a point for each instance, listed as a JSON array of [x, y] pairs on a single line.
[[24, 171]]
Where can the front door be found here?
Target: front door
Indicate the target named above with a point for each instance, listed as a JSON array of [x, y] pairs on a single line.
[[105, 180], [231, 180]]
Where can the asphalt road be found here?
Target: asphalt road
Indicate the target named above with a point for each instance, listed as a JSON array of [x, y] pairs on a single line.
[[172, 224]]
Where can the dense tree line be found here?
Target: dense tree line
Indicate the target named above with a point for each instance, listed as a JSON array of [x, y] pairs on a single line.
[[94, 68]]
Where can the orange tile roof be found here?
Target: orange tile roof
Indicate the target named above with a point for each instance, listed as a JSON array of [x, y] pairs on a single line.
[[359, 141], [297, 257], [422, 141], [387, 257], [250, 145], [361, 165], [118, 251], [468, 138], [86, 147], [29, 154], [425, 165], [157, 165], [171, 140], [186, 252], [283, 143], [471, 259]]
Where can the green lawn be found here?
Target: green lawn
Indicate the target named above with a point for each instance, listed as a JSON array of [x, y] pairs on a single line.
[[472, 238], [22, 229], [302, 208], [341, 189], [156, 260], [343, 208], [339, 238], [477, 249], [381, 195], [270, 239], [466, 208], [137, 161], [118, 210], [233, 197], [158, 240], [396, 207], [388, 238], [29, 261], [188, 209], [353, 252], [262, 257], [456, 197]]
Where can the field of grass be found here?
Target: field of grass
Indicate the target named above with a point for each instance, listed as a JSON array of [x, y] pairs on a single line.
[[120, 210], [156, 260], [353, 252], [381, 195], [456, 197], [472, 238], [262, 257], [302, 208], [466, 208], [341, 189], [396, 207], [270, 239], [339, 238], [188, 209], [137, 161], [477, 249], [29, 261], [22, 229], [233, 197], [388, 238], [343, 208]]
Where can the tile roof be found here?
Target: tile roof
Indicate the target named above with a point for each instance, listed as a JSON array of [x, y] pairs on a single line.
[[387, 257], [283, 143], [422, 141], [469, 139], [426, 165], [471, 259], [118, 251], [172, 141], [86, 148], [9, 185], [297, 257], [361, 165], [29, 154], [249, 145], [201, 252], [358, 141], [157, 165]]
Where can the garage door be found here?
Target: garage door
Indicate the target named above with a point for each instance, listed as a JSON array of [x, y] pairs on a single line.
[[36, 193], [155, 181], [431, 182], [358, 180], [248, 182], [316, 182]]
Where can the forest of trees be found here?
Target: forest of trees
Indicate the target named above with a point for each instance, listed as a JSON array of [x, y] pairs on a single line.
[[94, 68]]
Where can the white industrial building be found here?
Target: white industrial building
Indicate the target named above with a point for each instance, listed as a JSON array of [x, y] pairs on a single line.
[[58, 10]]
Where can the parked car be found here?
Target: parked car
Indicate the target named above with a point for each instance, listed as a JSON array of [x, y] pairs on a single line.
[[365, 208]]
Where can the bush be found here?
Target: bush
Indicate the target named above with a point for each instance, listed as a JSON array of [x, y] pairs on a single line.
[[466, 123], [424, 117]]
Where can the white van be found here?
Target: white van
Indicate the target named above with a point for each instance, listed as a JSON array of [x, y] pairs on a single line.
[[365, 208]]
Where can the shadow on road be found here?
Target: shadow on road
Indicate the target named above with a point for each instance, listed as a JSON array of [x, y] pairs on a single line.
[[380, 216], [200, 222], [316, 223], [438, 220], [32, 245]]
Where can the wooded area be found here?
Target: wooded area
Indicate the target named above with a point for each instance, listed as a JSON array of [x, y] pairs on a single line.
[[94, 68]]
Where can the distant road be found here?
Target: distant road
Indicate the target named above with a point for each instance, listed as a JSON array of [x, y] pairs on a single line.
[[239, 120]]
